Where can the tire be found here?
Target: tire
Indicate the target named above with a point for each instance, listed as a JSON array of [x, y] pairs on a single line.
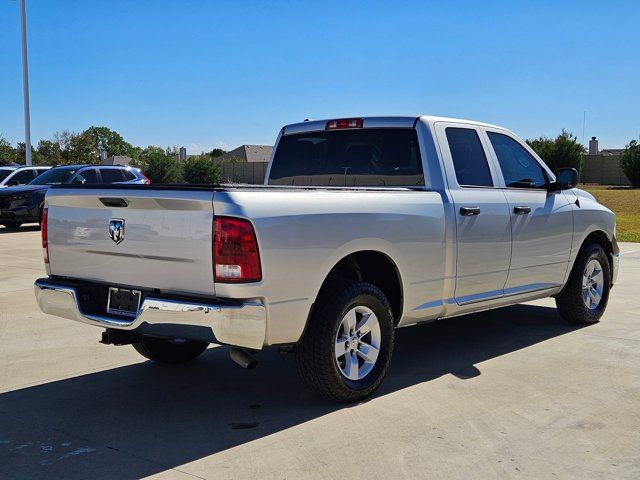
[[317, 359], [12, 225], [165, 350], [584, 287]]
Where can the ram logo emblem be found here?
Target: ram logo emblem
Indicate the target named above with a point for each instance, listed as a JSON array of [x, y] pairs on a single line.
[[116, 230]]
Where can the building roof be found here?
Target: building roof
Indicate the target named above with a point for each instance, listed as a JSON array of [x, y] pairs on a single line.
[[611, 151], [249, 153], [116, 160]]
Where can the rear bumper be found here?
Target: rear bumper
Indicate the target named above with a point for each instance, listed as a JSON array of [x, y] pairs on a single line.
[[242, 325]]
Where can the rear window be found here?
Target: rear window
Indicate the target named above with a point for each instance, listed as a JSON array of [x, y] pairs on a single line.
[[373, 157]]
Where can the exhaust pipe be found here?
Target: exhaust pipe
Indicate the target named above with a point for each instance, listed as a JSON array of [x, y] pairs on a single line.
[[242, 358]]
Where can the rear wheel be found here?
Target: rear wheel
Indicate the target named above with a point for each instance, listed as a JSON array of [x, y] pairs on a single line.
[[585, 297], [166, 350], [346, 350]]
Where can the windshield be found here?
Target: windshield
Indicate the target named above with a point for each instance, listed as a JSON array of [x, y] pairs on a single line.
[[372, 157], [54, 176], [4, 173]]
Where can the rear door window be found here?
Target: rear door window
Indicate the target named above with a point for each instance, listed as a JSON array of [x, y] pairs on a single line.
[[111, 175], [86, 177], [371, 157], [469, 159], [519, 168]]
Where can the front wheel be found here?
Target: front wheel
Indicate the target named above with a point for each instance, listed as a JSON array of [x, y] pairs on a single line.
[[168, 350], [346, 349], [586, 294]]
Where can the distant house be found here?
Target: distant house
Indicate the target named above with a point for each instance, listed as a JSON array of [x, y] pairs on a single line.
[[249, 153], [116, 160], [602, 166], [609, 152]]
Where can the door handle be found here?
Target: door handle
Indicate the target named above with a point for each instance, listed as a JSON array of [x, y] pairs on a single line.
[[521, 209], [469, 211]]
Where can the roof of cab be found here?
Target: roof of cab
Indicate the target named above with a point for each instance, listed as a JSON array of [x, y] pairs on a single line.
[[379, 122]]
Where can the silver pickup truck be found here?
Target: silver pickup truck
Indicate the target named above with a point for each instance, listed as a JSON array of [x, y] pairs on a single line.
[[363, 225]]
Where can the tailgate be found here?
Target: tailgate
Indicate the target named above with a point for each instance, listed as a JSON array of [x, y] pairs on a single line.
[[166, 242]]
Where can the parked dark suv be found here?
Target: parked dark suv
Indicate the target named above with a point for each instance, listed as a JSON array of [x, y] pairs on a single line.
[[23, 204]]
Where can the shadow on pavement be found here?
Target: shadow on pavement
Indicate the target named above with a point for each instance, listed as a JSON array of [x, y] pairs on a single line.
[[145, 418]]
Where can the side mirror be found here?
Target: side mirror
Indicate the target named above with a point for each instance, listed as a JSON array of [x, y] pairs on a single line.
[[566, 178]]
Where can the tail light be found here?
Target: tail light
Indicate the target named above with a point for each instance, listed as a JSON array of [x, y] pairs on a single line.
[[344, 123], [235, 251], [148, 182], [43, 231]]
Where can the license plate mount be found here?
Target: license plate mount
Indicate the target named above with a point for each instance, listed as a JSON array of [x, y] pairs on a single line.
[[123, 301]]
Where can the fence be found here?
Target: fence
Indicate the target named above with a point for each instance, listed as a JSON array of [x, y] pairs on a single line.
[[602, 169], [244, 172]]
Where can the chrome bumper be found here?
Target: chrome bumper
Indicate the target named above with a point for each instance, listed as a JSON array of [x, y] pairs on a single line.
[[242, 325]]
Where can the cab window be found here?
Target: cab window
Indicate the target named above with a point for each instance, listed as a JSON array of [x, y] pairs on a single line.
[[359, 157], [519, 168], [469, 160]]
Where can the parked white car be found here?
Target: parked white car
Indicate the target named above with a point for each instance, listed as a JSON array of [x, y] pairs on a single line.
[[363, 225], [13, 176]]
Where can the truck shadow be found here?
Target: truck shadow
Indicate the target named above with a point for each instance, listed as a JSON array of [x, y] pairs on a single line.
[[145, 418]]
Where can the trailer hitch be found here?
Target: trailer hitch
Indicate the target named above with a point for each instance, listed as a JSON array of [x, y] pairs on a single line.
[[118, 337]]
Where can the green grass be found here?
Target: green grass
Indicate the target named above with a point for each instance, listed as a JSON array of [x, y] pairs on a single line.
[[625, 203]]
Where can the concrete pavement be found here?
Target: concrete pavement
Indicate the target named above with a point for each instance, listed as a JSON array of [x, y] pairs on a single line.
[[511, 393]]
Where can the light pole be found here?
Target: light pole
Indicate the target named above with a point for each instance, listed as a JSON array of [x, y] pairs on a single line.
[[25, 82]]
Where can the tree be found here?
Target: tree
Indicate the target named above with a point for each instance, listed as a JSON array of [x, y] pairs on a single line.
[[563, 151], [630, 162], [105, 139], [48, 153], [21, 153], [201, 169], [82, 150], [158, 166], [75, 148], [216, 152], [63, 139], [7, 152]]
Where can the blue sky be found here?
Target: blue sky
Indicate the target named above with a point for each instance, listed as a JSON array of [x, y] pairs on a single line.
[[213, 73]]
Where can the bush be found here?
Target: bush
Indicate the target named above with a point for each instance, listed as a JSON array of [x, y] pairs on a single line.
[[630, 162], [201, 169], [563, 151], [158, 166]]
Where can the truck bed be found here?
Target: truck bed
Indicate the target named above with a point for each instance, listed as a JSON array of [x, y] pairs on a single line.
[[302, 233]]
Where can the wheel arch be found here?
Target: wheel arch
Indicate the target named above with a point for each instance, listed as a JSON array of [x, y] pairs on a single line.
[[372, 266], [606, 241]]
